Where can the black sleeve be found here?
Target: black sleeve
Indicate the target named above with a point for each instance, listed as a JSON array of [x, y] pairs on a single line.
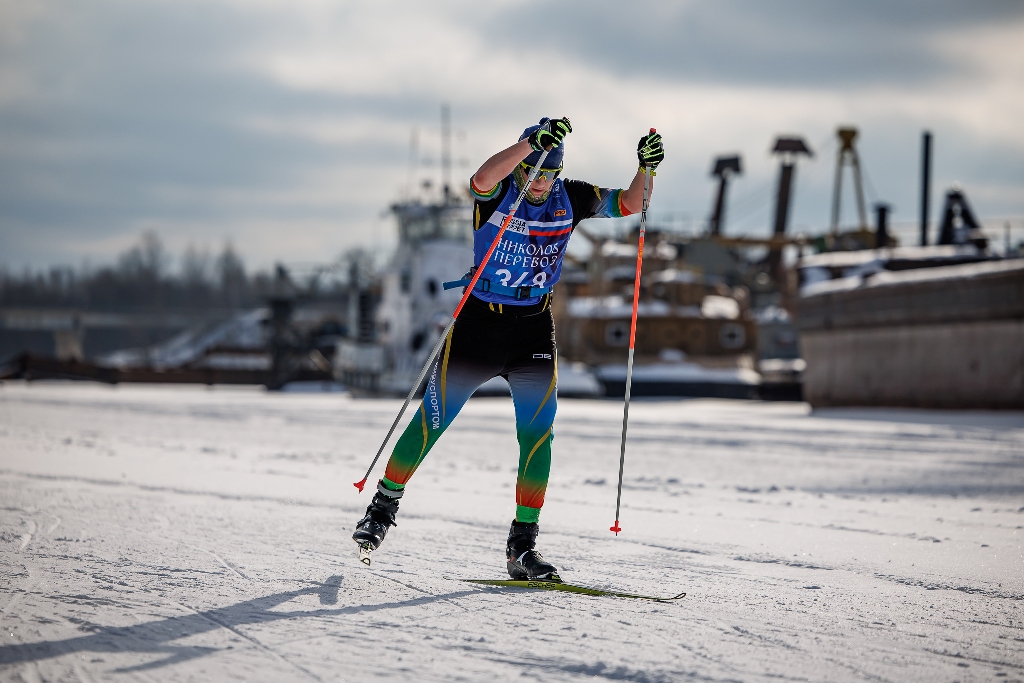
[[585, 199], [483, 209]]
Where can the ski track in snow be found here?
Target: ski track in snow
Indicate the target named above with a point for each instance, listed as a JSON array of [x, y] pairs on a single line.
[[26, 538], [182, 533]]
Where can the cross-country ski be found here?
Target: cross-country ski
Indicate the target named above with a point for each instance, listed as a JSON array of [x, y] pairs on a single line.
[[569, 588]]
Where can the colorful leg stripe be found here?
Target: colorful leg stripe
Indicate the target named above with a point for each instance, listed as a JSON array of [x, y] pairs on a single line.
[[534, 466], [534, 393], [450, 385], [412, 447]]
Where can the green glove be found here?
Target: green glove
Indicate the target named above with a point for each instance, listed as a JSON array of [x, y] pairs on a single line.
[[550, 134], [650, 151]]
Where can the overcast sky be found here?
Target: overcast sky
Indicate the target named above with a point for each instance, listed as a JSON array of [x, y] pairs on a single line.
[[284, 126]]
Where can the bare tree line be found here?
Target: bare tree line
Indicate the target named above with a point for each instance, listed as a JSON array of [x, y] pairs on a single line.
[[141, 278]]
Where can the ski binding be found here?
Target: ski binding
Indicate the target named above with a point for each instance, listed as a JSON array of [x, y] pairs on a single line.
[[364, 553]]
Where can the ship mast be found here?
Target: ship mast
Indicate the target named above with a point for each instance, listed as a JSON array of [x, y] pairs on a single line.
[[446, 150]]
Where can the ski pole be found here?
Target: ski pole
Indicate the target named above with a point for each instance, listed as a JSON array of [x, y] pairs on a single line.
[[458, 309], [632, 339]]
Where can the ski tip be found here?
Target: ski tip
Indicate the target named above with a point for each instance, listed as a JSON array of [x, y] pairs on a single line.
[[616, 528], [360, 484]]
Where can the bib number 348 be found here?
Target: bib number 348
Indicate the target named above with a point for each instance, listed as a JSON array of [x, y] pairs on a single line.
[[506, 278]]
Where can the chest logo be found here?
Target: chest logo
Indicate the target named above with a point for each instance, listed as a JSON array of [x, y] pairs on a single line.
[[560, 212], [518, 225]]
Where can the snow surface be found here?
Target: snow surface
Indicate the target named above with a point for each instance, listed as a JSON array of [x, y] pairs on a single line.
[[190, 534]]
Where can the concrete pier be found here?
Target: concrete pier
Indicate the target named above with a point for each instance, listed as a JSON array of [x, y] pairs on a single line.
[[950, 337]]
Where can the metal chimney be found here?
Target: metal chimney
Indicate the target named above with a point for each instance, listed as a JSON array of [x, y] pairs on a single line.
[[788, 149], [926, 183], [724, 168], [882, 225]]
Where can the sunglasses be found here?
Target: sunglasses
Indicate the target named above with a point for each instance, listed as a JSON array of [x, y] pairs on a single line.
[[543, 174]]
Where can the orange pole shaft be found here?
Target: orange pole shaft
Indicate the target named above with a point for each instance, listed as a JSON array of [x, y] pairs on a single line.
[[636, 287]]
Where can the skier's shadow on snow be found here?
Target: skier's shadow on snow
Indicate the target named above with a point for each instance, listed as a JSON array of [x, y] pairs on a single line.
[[156, 636]]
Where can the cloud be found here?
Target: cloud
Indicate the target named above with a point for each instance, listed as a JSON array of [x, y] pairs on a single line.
[[285, 126], [142, 115], [826, 44]]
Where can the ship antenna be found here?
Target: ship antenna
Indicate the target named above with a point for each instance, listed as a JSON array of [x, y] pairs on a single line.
[[414, 159], [446, 150]]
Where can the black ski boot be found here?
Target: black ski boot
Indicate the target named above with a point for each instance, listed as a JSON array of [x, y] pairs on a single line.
[[380, 515], [525, 563]]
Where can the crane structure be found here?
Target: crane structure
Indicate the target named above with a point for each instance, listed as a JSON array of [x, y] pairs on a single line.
[[848, 155]]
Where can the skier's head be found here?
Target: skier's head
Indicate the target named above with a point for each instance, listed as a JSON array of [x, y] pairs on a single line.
[[540, 188]]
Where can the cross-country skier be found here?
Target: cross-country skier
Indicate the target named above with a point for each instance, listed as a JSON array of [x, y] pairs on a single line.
[[506, 327]]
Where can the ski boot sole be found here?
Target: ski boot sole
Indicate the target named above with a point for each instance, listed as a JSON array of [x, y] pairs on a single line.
[[519, 574]]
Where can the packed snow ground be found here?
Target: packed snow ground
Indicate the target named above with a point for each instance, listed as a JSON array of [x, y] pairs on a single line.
[[192, 534]]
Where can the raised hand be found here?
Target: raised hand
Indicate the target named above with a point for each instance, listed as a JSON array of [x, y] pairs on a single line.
[[550, 134], [650, 151]]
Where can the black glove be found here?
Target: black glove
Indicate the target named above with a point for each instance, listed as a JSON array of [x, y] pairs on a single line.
[[550, 134], [650, 151]]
